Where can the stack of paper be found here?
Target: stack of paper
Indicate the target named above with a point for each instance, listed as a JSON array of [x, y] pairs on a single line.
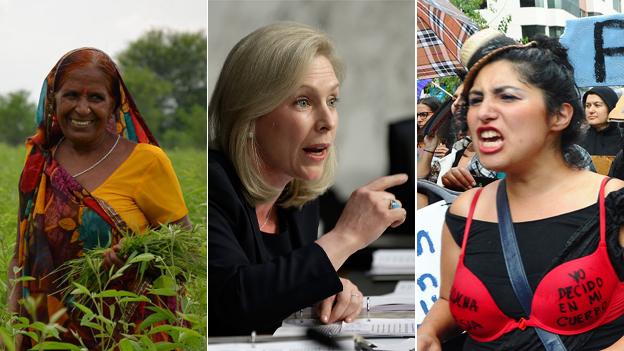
[[389, 303], [366, 327], [281, 345], [393, 262], [381, 327], [401, 299]]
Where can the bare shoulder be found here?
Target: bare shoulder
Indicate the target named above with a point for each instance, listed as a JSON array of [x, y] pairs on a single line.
[[614, 184], [461, 205], [591, 181]]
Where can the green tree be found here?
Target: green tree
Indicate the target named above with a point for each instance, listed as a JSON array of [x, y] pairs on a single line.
[[166, 73], [151, 94], [17, 117], [470, 8], [195, 133]]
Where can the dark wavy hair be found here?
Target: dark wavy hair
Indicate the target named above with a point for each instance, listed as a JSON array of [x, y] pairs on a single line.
[[542, 63]]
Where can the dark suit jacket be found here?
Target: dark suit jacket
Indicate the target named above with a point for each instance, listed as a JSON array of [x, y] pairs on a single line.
[[401, 146], [247, 288]]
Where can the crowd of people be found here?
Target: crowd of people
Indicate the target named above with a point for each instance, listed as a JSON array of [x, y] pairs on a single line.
[[599, 148], [532, 247], [526, 253]]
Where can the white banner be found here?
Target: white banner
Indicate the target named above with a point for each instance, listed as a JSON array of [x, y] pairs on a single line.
[[429, 221]]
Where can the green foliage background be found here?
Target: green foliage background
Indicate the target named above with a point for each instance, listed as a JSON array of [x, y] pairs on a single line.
[[190, 166], [165, 72]]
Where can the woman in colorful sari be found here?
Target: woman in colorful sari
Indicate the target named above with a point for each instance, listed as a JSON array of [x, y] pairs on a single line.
[[93, 171]]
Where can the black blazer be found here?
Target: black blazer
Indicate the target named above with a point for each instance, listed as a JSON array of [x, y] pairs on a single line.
[[401, 146], [247, 288]]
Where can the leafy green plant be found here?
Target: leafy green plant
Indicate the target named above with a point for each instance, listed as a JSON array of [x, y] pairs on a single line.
[[169, 249], [160, 260], [186, 327]]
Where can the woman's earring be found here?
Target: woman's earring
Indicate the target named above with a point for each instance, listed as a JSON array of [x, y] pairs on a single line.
[[250, 135]]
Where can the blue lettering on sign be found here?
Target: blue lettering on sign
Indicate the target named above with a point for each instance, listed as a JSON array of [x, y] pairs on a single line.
[[424, 306], [421, 281], [419, 249]]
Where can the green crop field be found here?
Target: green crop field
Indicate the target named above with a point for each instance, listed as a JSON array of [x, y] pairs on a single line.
[[190, 166]]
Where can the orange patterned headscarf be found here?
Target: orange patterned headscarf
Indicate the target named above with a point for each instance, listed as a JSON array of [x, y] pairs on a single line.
[[57, 217]]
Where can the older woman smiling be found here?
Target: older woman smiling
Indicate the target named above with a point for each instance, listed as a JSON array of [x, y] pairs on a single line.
[[93, 171]]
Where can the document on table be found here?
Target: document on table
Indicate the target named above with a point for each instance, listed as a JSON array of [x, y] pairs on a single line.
[[389, 303], [366, 327], [393, 262], [401, 299], [292, 345], [381, 327]]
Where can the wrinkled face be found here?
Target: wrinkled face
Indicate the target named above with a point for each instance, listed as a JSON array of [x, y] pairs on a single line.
[[294, 139], [596, 111], [423, 113], [507, 118], [84, 104]]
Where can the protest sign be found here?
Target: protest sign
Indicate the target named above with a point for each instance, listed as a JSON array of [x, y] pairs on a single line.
[[429, 221], [617, 114], [596, 49]]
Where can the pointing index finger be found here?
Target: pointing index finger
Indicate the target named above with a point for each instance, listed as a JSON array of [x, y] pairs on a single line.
[[383, 183]]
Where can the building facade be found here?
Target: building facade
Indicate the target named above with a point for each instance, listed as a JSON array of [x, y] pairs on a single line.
[[531, 17]]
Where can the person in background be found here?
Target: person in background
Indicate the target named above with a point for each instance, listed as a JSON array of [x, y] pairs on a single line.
[[273, 117], [461, 169], [425, 109], [603, 139], [523, 114]]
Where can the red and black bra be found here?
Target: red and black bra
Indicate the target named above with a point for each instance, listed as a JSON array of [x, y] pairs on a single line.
[[574, 297]]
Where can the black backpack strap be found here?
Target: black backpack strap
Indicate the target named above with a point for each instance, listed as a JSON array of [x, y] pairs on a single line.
[[515, 268]]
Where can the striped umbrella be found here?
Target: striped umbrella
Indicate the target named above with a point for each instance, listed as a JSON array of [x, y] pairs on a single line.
[[442, 29]]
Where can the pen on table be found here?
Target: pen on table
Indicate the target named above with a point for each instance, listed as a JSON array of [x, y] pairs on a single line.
[[323, 338]]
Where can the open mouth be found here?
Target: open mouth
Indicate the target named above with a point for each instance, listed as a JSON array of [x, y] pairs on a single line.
[[490, 140], [80, 124], [316, 151]]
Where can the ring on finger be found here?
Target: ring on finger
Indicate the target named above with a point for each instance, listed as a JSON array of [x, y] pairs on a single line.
[[394, 204]]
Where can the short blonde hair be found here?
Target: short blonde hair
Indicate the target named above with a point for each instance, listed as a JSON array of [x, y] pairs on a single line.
[[260, 72]]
